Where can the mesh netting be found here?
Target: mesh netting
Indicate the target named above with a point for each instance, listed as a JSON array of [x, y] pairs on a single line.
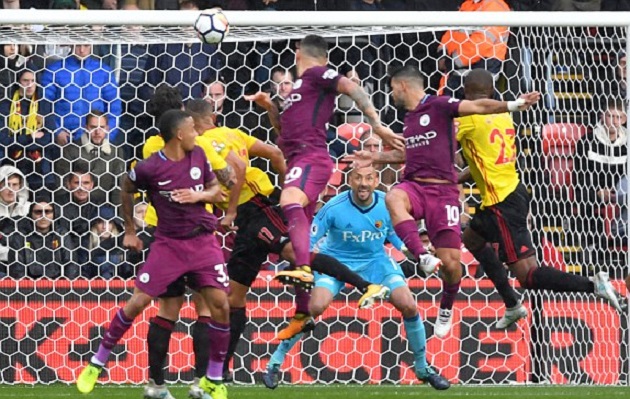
[[50, 326]]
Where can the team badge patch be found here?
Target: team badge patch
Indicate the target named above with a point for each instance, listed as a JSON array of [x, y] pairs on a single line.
[[378, 224], [425, 120], [195, 173]]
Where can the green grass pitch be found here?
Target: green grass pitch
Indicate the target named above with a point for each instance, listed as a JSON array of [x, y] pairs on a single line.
[[331, 392]]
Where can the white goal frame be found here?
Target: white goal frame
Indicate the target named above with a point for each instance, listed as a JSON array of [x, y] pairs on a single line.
[[366, 22]]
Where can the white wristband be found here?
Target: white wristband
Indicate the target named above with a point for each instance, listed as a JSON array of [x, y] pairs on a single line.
[[513, 106]]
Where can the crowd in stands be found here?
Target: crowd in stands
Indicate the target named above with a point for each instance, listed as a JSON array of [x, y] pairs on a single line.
[[74, 118], [316, 5]]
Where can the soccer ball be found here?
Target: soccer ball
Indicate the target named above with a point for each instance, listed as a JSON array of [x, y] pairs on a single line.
[[212, 26]]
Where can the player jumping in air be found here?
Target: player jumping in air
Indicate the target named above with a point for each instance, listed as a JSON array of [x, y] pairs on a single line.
[[353, 227], [489, 147], [302, 130], [429, 188], [179, 182]]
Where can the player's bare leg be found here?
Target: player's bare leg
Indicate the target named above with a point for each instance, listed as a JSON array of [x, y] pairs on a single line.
[[121, 322], [399, 208], [451, 271], [321, 298], [404, 302], [487, 256], [532, 276], [293, 201], [219, 332]]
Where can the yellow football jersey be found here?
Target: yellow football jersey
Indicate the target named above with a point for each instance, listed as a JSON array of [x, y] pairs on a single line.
[[156, 143], [224, 140], [489, 146]]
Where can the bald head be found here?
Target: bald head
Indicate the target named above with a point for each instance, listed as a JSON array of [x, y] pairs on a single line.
[[478, 83]]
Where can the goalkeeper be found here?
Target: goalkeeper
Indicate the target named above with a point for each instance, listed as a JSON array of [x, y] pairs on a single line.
[[353, 227]]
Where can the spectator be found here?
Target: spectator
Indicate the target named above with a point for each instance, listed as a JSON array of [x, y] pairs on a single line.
[[105, 159], [577, 5], [27, 130], [102, 255], [41, 247], [388, 173], [472, 48], [224, 114], [75, 86], [99, 4], [14, 194], [12, 58], [78, 211], [615, 5], [281, 83], [621, 224], [14, 204], [134, 91], [599, 163]]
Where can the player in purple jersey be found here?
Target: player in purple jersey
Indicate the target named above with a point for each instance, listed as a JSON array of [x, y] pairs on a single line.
[[179, 182], [302, 131], [429, 188]]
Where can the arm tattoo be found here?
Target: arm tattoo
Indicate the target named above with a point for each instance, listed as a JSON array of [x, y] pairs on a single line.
[[363, 102], [223, 175]]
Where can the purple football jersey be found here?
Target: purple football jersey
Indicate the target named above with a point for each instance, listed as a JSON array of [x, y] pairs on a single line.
[[306, 111], [430, 139], [159, 176]]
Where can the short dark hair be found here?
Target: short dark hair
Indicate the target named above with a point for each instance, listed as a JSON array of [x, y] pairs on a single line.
[[314, 46], [79, 167], [165, 98], [615, 103], [199, 108], [478, 84], [95, 113], [170, 122], [407, 72]]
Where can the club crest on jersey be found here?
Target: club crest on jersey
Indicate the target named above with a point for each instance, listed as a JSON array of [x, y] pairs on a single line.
[[425, 120], [218, 147], [132, 175], [297, 84], [195, 173], [378, 224]]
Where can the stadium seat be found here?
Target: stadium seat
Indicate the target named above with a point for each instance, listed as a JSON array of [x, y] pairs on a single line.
[[352, 132], [558, 142]]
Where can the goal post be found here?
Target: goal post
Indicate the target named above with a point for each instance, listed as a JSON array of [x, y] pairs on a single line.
[[574, 59]]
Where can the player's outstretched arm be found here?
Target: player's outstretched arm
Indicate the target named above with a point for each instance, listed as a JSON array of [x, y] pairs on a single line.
[[273, 154], [360, 97], [130, 239], [362, 159], [263, 99], [487, 106]]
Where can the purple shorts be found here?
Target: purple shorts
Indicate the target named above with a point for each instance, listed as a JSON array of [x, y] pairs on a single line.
[[199, 256], [310, 174], [438, 205]]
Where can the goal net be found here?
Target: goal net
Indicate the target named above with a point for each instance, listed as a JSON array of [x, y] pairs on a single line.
[[66, 278]]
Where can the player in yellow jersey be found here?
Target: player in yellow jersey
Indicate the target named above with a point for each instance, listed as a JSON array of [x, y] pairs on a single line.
[[489, 147], [261, 228]]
